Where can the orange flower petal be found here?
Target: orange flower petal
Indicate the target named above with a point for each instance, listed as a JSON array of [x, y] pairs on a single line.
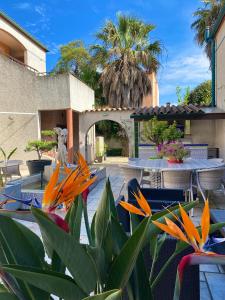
[[166, 228], [143, 203], [50, 186], [131, 208], [177, 231], [189, 227], [205, 222]]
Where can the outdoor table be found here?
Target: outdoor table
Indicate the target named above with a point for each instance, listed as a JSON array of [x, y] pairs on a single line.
[[163, 164]]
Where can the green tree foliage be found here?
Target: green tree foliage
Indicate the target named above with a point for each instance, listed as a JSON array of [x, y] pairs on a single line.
[[159, 132], [201, 95], [125, 54], [206, 16], [182, 98], [76, 59]]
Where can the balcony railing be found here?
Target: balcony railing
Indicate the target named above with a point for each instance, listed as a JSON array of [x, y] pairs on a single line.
[[20, 63]]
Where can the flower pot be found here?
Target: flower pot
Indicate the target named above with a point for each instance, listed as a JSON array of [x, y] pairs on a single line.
[[99, 159], [174, 160], [37, 166]]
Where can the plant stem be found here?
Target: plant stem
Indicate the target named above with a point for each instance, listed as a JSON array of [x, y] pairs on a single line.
[[165, 266]]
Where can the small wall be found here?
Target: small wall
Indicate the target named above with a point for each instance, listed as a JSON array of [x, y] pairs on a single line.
[[203, 132], [220, 137], [16, 130]]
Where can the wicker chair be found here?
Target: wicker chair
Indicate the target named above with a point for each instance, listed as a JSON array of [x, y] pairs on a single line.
[[178, 179], [209, 180], [11, 170], [129, 173]]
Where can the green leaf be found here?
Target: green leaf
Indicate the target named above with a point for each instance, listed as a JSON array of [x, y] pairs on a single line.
[[19, 249], [34, 240], [8, 296], [141, 284], [109, 295], [74, 218], [54, 283], [2, 288], [105, 208], [11, 153], [119, 234], [73, 255], [125, 261]]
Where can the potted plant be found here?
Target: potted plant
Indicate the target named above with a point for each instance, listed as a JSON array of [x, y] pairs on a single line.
[[40, 146], [99, 157], [6, 157], [174, 152]]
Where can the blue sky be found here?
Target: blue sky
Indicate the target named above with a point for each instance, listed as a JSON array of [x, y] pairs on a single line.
[[56, 22]]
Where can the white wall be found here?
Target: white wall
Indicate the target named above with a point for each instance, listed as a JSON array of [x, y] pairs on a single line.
[[82, 97], [220, 66], [203, 132], [35, 56]]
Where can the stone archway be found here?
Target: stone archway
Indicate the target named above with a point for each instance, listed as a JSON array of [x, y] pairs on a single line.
[[120, 116]]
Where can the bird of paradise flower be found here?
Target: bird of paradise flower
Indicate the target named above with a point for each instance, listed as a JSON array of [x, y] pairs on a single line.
[[64, 192], [196, 237]]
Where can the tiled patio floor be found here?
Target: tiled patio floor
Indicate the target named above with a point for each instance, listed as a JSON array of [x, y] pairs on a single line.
[[212, 277]]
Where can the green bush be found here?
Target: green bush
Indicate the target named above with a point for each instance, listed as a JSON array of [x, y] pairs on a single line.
[[114, 152], [43, 145]]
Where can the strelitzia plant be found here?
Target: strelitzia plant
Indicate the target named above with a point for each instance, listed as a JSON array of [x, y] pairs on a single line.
[[101, 269], [195, 237]]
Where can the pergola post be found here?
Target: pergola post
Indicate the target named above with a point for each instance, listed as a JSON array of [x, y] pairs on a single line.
[[136, 138], [69, 124]]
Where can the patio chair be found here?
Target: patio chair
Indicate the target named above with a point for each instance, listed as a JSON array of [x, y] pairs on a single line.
[[178, 179], [128, 173], [11, 170], [210, 180]]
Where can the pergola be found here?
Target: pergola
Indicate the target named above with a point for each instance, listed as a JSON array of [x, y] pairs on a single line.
[[174, 113]]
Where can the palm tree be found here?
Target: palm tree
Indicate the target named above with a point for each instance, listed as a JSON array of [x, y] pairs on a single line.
[[125, 56], [206, 16]]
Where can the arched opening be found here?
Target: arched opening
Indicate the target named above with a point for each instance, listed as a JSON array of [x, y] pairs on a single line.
[[106, 139], [10, 46]]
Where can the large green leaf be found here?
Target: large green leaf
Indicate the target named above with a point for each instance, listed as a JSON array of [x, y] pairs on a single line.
[[74, 218], [18, 247], [125, 261], [105, 208], [141, 286], [109, 295], [34, 240], [120, 236], [54, 283], [73, 255], [8, 296]]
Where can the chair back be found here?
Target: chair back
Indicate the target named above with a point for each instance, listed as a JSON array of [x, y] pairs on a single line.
[[210, 179], [9, 171], [176, 179], [130, 173]]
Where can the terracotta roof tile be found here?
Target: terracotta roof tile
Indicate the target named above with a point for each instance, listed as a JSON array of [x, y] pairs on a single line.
[[167, 110]]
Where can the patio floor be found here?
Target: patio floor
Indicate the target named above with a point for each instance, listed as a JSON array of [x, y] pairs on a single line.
[[212, 277]]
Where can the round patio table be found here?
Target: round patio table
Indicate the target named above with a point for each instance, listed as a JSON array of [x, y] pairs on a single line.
[[163, 164]]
